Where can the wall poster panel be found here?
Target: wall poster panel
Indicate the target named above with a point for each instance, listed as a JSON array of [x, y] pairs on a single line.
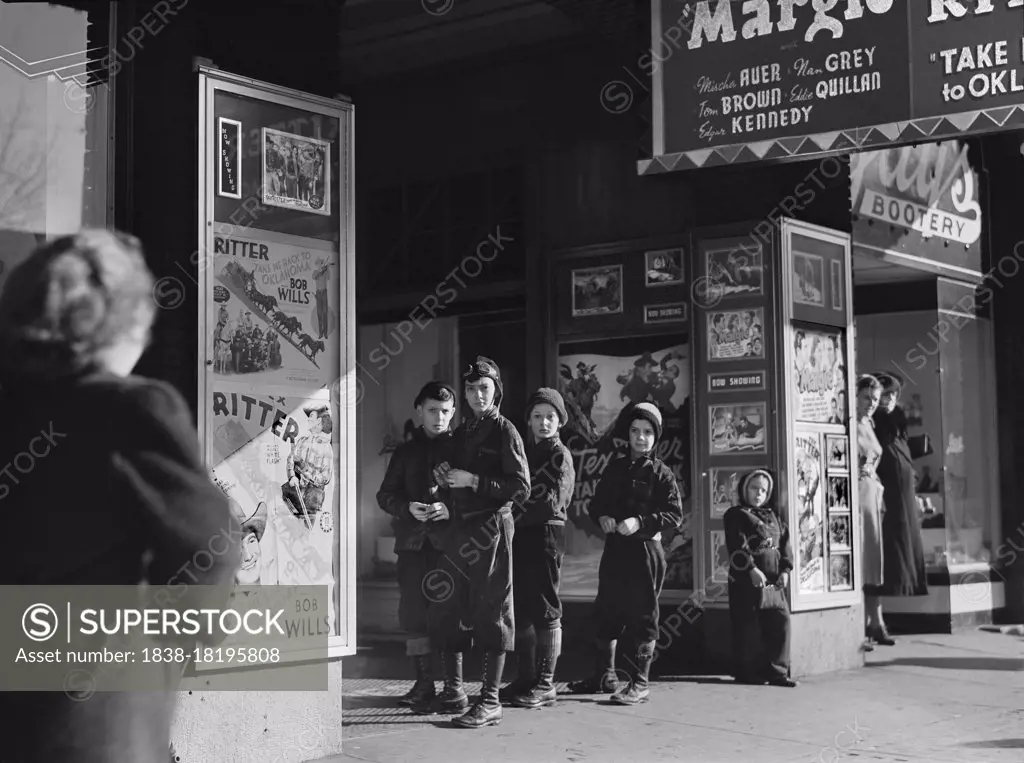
[[598, 379], [734, 318]]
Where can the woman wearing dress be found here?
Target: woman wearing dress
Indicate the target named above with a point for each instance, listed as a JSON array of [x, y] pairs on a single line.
[[905, 573], [869, 452]]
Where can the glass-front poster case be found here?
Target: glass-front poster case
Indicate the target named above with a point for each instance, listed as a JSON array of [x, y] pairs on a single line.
[[817, 355], [276, 273]]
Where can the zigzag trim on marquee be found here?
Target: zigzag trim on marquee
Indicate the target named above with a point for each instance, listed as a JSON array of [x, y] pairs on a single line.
[[855, 139]]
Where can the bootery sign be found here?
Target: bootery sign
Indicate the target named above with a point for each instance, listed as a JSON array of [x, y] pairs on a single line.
[[928, 198], [765, 79]]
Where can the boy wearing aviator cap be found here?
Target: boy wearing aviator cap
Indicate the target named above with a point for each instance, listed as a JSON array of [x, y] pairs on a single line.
[[488, 473]]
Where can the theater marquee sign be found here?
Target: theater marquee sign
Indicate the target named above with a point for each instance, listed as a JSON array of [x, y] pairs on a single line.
[[778, 79]]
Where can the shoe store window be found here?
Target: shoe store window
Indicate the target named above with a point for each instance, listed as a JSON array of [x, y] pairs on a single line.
[[54, 109], [922, 313]]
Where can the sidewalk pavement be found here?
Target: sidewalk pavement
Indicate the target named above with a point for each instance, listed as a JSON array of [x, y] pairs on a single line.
[[929, 699]]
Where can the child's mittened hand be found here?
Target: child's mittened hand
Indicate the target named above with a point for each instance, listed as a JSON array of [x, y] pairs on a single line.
[[628, 526], [607, 524]]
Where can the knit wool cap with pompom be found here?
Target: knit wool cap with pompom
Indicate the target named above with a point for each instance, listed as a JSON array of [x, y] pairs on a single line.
[[553, 398], [648, 412]]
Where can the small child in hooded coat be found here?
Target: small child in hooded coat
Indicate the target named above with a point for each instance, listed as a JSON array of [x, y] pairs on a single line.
[[760, 556]]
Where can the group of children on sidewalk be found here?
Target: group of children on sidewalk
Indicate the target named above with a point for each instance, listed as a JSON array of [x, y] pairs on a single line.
[[479, 522]]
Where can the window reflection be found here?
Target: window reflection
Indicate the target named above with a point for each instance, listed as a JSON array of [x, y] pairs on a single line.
[[971, 476], [53, 126]]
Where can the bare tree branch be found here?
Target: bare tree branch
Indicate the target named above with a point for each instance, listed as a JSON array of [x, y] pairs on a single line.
[[25, 150]]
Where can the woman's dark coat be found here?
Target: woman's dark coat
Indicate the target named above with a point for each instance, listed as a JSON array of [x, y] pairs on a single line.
[[904, 568], [115, 481]]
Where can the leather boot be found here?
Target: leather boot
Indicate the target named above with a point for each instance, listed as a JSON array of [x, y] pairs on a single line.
[[638, 689], [881, 636], [526, 659], [603, 680], [452, 698], [422, 691], [549, 647], [487, 710]]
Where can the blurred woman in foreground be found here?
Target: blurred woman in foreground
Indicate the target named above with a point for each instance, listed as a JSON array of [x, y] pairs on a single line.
[[103, 483]]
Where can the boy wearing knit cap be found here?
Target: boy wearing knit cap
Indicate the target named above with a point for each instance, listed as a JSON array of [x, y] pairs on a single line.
[[760, 558], [413, 497], [487, 475], [537, 552], [636, 499]]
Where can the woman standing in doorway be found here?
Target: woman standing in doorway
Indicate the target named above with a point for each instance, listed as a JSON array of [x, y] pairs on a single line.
[[872, 509], [901, 527]]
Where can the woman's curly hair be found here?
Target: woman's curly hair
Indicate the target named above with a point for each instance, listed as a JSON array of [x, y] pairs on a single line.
[[71, 298]]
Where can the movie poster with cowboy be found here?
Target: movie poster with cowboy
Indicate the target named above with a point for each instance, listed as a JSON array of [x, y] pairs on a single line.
[[810, 512], [276, 459], [597, 387], [274, 315]]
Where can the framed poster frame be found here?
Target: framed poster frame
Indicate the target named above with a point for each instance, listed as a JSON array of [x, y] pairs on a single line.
[[793, 311], [342, 246], [580, 312]]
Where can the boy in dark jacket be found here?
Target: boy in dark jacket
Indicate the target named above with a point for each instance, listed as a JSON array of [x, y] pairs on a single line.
[[635, 500], [537, 553], [488, 473], [760, 556], [411, 495]]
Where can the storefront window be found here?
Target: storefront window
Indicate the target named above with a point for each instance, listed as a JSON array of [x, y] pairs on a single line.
[[53, 125], [949, 389], [968, 445]]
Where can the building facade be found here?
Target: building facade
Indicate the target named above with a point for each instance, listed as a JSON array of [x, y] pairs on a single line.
[[513, 198]]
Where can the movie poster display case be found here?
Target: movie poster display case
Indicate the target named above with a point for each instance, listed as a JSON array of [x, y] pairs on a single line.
[[621, 327], [734, 308], [276, 264], [772, 319], [818, 415]]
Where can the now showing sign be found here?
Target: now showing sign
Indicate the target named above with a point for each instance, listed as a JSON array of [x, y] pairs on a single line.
[[925, 196]]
